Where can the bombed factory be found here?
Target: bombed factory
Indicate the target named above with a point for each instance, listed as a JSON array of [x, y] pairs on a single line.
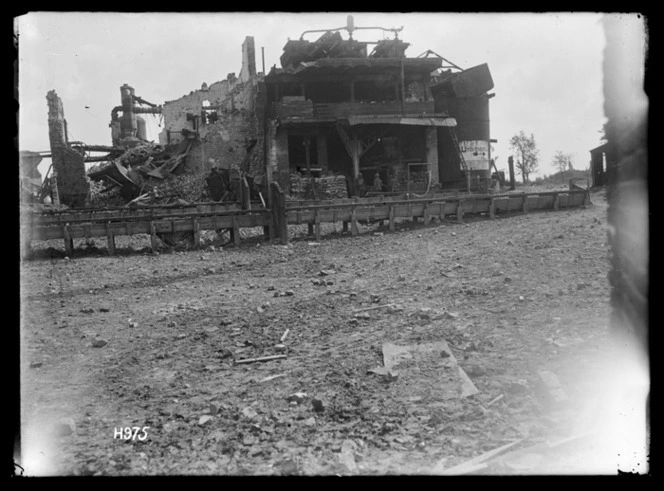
[[340, 118]]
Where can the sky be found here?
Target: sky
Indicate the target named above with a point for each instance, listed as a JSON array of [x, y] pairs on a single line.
[[546, 68]]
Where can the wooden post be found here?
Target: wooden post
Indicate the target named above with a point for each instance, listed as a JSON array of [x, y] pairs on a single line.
[[317, 222], [355, 148], [510, 162], [244, 194], [586, 199], [236, 231], [556, 202], [197, 234], [110, 239], [492, 208], [459, 213], [353, 223], [344, 227], [310, 229], [69, 242], [352, 91], [525, 203], [392, 222], [279, 213], [426, 214], [153, 236]]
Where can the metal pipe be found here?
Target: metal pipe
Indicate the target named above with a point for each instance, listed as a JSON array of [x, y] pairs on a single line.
[[393, 29]]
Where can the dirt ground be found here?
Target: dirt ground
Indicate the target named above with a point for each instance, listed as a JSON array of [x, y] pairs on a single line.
[[510, 296]]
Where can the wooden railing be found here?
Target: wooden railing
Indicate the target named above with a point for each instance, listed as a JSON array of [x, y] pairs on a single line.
[[71, 224]]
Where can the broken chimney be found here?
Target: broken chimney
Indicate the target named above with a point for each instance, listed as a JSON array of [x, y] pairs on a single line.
[[68, 164]]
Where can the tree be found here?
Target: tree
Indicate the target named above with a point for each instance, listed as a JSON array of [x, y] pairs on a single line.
[[562, 161], [527, 154]]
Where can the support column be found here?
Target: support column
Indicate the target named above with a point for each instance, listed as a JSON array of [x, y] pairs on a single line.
[[355, 149], [282, 158]]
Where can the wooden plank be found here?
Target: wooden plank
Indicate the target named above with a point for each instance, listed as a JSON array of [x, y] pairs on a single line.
[[264, 358], [545, 203], [110, 239], [317, 224], [391, 217], [472, 464]]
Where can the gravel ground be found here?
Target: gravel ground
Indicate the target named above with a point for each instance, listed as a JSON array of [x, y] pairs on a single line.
[[151, 340]]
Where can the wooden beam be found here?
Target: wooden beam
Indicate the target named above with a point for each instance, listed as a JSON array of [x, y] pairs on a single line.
[[392, 222]]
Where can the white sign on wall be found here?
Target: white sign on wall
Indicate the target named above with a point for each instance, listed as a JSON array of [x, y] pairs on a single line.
[[476, 154]]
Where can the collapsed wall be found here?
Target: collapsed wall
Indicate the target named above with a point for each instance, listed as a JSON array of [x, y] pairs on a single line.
[[68, 164], [224, 121]]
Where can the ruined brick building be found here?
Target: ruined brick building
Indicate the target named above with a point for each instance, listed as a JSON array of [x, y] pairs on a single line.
[[336, 107], [341, 107]]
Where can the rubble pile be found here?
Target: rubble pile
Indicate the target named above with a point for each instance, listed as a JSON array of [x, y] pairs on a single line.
[[136, 173], [309, 188], [103, 197], [187, 187], [140, 154]]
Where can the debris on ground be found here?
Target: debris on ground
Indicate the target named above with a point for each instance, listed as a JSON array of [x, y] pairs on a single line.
[[263, 358]]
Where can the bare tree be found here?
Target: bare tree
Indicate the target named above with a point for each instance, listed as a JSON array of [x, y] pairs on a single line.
[[562, 161], [526, 152]]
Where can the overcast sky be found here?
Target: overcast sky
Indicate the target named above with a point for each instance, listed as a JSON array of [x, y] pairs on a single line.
[[547, 68]]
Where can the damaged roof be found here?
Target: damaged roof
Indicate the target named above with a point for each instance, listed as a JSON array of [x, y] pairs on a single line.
[[347, 66]]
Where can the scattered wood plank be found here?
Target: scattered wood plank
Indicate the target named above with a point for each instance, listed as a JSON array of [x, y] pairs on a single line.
[[263, 358], [475, 463], [284, 335], [272, 377], [495, 399]]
